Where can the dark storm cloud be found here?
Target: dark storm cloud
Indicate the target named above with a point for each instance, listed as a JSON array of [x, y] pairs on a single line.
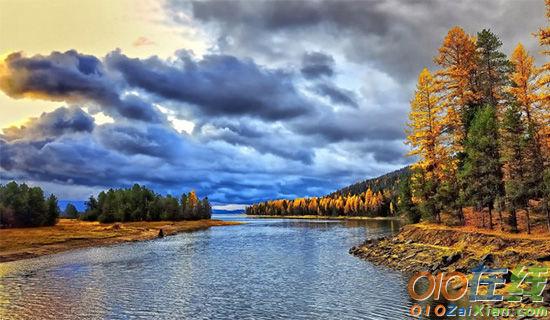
[[337, 95], [153, 140], [350, 125], [398, 37], [260, 136], [217, 85], [56, 123], [317, 64], [121, 153], [71, 77]]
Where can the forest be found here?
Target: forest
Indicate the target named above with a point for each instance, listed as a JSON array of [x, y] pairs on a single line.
[[479, 131], [139, 203], [372, 198], [24, 206], [479, 127]]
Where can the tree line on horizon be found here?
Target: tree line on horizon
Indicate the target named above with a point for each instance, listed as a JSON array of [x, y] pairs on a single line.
[[367, 203], [480, 129], [139, 203], [24, 206]]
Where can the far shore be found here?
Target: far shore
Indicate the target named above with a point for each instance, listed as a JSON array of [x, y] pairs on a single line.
[[312, 217], [68, 234]]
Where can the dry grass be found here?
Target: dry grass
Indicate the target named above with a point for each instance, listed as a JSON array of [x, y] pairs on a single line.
[[69, 234], [314, 217], [477, 221]]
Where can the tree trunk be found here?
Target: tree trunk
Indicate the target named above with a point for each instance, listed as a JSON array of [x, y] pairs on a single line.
[[490, 217], [547, 215], [528, 221], [513, 220], [500, 219]]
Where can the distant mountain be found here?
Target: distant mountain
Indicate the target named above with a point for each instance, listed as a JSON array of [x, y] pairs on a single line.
[[387, 181]]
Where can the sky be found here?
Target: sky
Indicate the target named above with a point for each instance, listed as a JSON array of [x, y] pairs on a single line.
[[242, 101]]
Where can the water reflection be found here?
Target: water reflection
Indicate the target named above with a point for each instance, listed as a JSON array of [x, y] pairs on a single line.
[[266, 269]]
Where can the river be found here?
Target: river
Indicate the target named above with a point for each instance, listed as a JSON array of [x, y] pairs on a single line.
[[264, 269]]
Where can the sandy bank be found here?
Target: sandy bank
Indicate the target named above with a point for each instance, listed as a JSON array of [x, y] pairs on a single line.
[[23, 243]]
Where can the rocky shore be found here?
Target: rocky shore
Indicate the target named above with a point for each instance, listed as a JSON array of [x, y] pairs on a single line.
[[437, 248]]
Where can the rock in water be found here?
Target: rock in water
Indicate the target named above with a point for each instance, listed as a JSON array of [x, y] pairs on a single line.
[[161, 234]]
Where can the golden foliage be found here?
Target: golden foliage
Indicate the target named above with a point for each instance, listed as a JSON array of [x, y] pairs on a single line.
[[457, 57], [426, 124]]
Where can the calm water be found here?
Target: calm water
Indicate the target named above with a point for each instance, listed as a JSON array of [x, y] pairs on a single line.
[[265, 269]]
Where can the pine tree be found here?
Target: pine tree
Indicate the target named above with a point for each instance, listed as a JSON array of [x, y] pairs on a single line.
[[183, 205], [493, 68], [513, 150], [52, 211], [405, 203], [206, 209], [482, 170]]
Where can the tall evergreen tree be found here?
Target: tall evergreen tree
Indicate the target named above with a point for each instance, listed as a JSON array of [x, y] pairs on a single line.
[[405, 203], [206, 209], [493, 69], [513, 151], [52, 211], [482, 173]]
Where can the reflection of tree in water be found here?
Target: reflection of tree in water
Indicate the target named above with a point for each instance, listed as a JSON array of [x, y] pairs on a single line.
[[374, 226]]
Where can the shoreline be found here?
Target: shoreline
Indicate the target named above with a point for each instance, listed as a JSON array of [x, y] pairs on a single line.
[[422, 247], [436, 248], [68, 234], [311, 217]]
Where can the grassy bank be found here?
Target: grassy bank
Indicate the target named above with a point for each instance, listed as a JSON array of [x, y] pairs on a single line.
[[67, 234], [322, 217], [423, 247]]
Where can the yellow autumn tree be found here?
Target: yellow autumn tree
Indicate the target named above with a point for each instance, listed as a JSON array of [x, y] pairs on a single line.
[[313, 206], [525, 90], [425, 127], [457, 57], [544, 85], [425, 136]]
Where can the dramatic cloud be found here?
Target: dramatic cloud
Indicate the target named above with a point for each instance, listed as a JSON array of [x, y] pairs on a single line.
[[50, 125], [216, 85], [71, 77], [399, 37], [293, 98]]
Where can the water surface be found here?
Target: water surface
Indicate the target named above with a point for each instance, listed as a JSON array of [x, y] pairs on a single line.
[[265, 269]]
